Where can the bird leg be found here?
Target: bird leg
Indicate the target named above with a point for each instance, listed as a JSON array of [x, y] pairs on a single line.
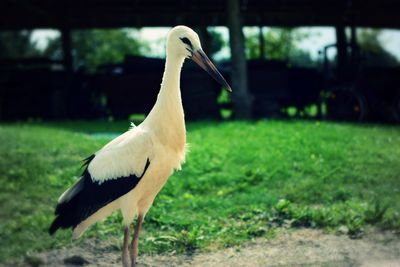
[[125, 250], [135, 240]]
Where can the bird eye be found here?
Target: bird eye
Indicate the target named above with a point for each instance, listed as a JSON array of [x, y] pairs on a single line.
[[185, 40]]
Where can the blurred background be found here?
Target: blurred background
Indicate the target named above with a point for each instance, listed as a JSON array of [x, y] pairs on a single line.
[[88, 60], [308, 138]]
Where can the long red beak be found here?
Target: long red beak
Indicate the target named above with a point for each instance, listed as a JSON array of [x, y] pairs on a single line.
[[205, 63]]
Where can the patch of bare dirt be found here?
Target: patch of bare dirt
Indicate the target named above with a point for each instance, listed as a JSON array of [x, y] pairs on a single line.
[[303, 247]]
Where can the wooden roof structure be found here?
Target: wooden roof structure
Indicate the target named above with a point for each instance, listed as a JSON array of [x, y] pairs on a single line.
[[78, 14]]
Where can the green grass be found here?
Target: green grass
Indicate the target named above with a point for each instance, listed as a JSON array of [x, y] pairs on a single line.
[[241, 180]]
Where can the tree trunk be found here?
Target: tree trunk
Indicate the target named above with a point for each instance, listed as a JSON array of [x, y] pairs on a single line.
[[242, 100], [66, 47]]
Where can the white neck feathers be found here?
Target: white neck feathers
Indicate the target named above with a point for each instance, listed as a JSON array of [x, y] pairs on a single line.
[[166, 119]]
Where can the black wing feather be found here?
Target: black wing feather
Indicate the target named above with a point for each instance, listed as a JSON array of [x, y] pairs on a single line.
[[87, 197]]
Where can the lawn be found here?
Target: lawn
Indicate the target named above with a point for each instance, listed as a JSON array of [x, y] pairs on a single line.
[[240, 181]]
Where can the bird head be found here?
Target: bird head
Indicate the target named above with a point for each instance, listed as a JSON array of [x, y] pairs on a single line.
[[184, 42]]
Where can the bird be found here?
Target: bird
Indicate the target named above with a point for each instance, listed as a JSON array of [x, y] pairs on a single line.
[[127, 173]]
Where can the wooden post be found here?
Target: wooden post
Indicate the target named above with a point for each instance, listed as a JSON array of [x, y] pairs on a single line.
[[261, 42], [60, 92], [206, 40], [242, 100], [341, 44], [354, 46], [66, 47]]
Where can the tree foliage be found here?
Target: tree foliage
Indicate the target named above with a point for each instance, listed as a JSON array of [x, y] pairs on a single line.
[[92, 48], [217, 41], [373, 52], [17, 44], [279, 44]]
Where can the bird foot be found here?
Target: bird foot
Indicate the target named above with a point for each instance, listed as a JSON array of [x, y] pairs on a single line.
[[126, 261], [134, 256]]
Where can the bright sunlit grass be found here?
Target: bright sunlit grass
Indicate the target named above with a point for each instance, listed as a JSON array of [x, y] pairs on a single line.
[[241, 180]]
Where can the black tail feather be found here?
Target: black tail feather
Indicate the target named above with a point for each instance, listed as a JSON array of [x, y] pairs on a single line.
[[66, 215], [66, 211], [54, 226]]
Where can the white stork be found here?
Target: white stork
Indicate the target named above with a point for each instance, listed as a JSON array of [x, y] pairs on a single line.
[[129, 171]]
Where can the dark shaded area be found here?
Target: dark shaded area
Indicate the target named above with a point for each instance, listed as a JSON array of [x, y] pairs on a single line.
[[132, 87], [37, 91], [115, 90], [348, 88], [275, 85], [360, 86], [76, 260]]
